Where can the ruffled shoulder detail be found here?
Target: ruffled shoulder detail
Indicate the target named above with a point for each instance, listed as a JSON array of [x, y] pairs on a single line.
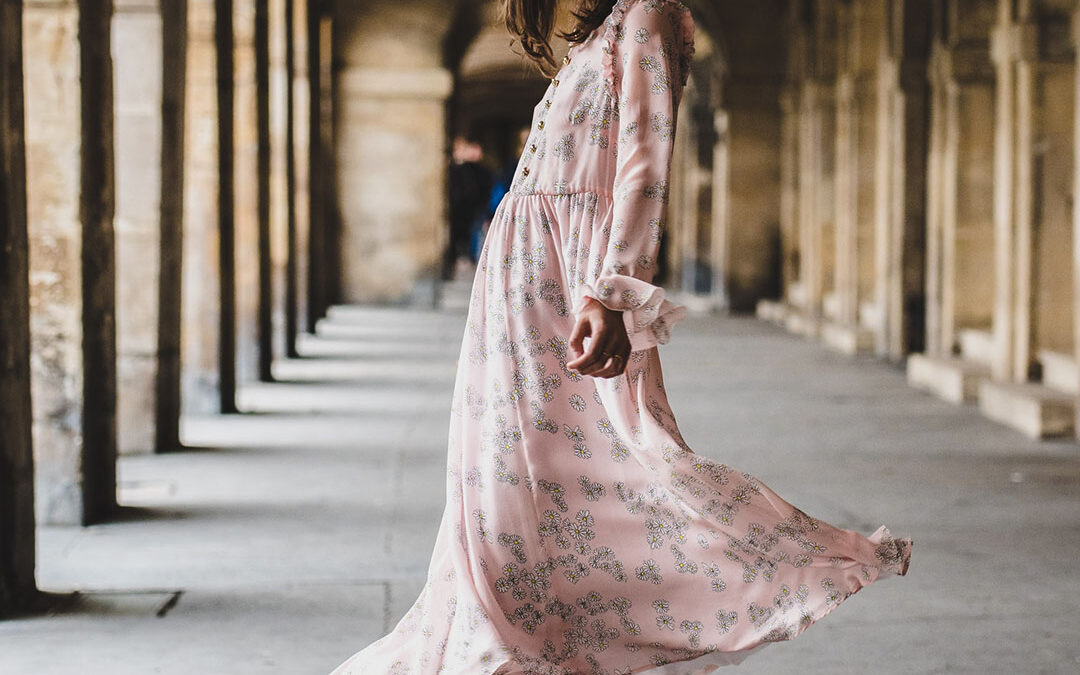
[[615, 33]]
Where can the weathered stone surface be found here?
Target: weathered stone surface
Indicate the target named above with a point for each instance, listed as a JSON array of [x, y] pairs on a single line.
[[97, 201], [1059, 372], [167, 390], [246, 180], [1032, 409], [200, 272], [390, 141], [224, 47], [949, 378], [137, 33], [72, 273], [17, 537], [53, 141], [391, 180]]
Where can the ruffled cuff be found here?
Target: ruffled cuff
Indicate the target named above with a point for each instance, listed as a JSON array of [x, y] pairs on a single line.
[[648, 315]]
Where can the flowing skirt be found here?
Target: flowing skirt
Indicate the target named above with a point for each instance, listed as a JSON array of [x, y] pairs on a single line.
[[581, 534]]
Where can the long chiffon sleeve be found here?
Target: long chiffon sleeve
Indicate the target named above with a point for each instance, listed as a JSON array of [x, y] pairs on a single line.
[[651, 44]]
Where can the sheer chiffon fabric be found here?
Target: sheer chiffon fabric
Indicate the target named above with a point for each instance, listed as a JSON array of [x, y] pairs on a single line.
[[581, 533]]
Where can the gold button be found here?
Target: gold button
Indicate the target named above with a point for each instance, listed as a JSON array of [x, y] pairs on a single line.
[[540, 125], [555, 82], [566, 60], [547, 103], [533, 147], [525, 171]]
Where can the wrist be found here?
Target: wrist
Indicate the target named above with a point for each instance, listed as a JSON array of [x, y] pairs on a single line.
[[593, 303]]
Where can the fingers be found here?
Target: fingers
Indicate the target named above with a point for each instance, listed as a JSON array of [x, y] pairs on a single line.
[[590, 359], [615, 365], [600, 359], [582, 329]]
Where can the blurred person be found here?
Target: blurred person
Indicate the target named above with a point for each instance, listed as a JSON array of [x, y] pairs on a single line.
[[504, 178], [469, 187], [581, 533]]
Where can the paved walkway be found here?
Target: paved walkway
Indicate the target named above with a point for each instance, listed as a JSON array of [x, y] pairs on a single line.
[[286, 539]]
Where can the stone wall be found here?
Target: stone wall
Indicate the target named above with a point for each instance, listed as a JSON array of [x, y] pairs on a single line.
[[390, 146], [73, 467], [137, 39], [201, 272]]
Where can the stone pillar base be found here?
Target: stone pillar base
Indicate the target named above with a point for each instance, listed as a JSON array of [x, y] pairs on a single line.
[[773, 311], [846, 339], [977, 346], [952, 379], [1059, 372], [803, 324], [1033, 409]]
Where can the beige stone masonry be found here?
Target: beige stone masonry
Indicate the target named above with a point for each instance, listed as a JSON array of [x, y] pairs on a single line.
[[137, 33], [1034, 410], [201, 273], [950, 378], [1059, 372]]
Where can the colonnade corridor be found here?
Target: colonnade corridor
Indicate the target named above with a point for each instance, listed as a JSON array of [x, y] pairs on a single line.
[[236, 240], [285, 539]]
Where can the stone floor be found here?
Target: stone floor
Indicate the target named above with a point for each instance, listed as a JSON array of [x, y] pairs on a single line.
[[285, 539]]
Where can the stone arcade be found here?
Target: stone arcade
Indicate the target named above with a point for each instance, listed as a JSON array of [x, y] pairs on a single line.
[[187, 185]]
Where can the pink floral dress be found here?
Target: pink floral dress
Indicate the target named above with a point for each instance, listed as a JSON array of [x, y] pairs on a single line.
[[581, 534]]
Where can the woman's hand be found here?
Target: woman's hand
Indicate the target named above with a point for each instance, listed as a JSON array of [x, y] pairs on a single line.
[[609, 345]]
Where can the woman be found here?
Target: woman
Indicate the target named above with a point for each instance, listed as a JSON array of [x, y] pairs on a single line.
[[581, 534]]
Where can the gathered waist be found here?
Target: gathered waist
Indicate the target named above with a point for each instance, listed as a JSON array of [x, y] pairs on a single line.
[[560, 193]]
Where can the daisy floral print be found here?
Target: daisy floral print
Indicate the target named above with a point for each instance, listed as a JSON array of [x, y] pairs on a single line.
[[581, 534]]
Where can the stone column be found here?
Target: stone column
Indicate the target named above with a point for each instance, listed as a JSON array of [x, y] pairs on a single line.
[[301, 88], [391, 142], [72, 273], [265, 312], [843, 331], [960, 189], [749, 167], [97, 197], [1076, 212], [202, 281], [1015, 53], [174, 15], [137, 31], [686, 201], [391, 189], [789, 195], [17, 544], [941, 167], [249, 269], [226, 85], [810, 192], [900, 175], [1005, 48], [318, 55], [721, 213], [1026, 56], [289, 23], [846, 193]]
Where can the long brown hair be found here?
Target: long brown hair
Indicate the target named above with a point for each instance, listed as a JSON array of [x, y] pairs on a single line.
[[532, 23]]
